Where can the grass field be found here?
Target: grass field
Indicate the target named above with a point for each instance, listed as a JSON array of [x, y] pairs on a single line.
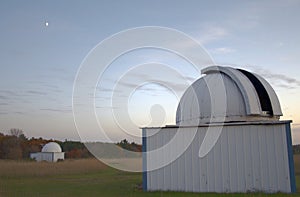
[[87, 177]]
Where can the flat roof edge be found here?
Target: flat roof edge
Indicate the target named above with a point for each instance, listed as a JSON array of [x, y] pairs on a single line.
[[223, 124]]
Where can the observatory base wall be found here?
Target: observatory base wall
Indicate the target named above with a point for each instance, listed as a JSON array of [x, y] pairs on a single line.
[[44, 156], [247, 157]]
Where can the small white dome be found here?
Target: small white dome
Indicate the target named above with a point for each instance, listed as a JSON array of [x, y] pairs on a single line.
[[52, 147], [226, 94]]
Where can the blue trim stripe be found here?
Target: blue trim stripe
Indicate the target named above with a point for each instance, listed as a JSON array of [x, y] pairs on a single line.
[[144, 149], [290, 157]]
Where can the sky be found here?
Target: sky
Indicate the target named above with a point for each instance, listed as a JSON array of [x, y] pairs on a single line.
[[43, 44]]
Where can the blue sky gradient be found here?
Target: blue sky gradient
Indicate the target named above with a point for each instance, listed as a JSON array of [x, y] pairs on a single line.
[[39, 63]]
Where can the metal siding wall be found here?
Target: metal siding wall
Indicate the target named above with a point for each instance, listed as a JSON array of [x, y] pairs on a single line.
[[218, 168], [263, 162], [180, 171], [46, 157], [240, 159], [188, 175], [248, 171], [291, 158], [160, 175], [245, 158], [285, 158], [144, 158], [271, 158], [153, 175], [174, 172], [195, 164], [278, 140], [225, 163], [232, 159], [167, 171], [57, 156], [210, 171]]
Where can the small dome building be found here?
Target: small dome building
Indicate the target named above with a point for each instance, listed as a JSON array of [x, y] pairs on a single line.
[[51, 147], [228, 138], [51, 152]]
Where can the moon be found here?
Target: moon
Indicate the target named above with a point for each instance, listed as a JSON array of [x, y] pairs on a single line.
[[46, 24]]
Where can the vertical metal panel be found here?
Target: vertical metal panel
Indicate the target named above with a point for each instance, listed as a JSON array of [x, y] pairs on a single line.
[[151, 144], [188, 173], [57, 156], [180, 171], [245, 158], [248, 173], [203, 165], [160, 171], [196, 163], [225, 163], [278, 141], [218, 182], [290, 157], [263, 162], [240, 159], [255, 158], [210, 171], [232, 159], [144, 158], [272, 168], [166, 156], [285, 158], [174, 172]]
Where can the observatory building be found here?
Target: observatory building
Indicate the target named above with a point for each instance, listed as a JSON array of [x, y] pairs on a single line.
[[50, 152], [227, 138]]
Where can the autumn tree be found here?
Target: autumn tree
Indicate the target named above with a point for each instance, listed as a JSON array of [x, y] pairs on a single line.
[[10, 148]]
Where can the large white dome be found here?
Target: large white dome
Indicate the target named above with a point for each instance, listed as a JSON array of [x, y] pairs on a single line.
[[52, 147], [226, 94]]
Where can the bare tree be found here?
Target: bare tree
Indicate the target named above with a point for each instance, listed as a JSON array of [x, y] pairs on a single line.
[[16, 132]]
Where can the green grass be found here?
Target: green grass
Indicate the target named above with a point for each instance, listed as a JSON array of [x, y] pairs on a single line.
[[107, 182], [85, 178]]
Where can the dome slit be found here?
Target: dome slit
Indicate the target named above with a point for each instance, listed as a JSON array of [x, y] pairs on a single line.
[[263, 96]]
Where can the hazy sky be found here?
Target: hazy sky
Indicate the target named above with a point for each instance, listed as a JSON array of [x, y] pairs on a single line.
[[39, 62]]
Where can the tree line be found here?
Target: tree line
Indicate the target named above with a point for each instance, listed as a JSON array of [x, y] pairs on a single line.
[[17, 146]]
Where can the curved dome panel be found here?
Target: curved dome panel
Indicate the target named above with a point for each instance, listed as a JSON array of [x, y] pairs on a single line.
[[226, 94], [51, 147], [246, 87]]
